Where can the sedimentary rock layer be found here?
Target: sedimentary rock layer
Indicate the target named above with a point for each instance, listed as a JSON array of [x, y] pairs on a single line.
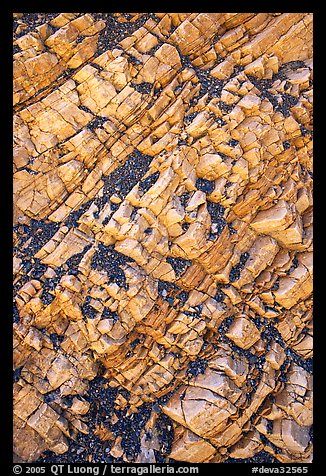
[[163, 237]]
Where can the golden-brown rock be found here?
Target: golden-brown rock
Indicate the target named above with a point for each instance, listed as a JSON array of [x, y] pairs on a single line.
[[163, 236]]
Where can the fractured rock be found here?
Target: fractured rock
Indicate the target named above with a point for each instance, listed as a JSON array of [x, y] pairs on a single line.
[[162, 237]]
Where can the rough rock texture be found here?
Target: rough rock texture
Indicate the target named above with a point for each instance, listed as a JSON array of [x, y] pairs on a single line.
[[163, 237]]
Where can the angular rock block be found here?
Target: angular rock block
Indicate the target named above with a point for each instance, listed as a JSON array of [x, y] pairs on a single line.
[[163, 237]]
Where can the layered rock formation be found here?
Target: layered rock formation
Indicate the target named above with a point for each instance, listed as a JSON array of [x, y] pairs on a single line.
[[163, 237]]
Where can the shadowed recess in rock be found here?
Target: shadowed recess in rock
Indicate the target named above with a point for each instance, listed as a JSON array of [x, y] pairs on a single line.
[[163, 218]]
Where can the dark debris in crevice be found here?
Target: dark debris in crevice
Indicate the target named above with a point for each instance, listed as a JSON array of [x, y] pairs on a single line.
[[17, 286], [16, 49], [56, 340], [96, 123], [88, 311], [80, 39], [49, 284], [74, 261], [183, 297], [216, 211], [96, 66], [306, 364], [226, 108], [261, 84], [184, 199], [80, 450], [206, 186], [130, 428], [165, 398], [292, 65], [108, 259], [164, 287], [267, 443], [39, 231], [281, 102], [51, 396], [143, 88], [286, 145], [236, 270], [224, 326], [17, 374], [179, 265], [32, 21], [173, 294], [196, 367], [276, 284], [28, 170], [165, 431], [232, 230], [148, 182], [125, 177], [72, 220], [237, 70], [305, 131], [38, 269], [116, 31], [219, 296], [233, 142], [15, 313], [85, 109], [295, 262], [190, 117], [47, 297], [108, 314], [67, 73], [208, 84]]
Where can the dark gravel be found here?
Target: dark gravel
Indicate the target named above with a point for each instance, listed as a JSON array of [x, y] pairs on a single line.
[[39, 231], [17, 374], [165, 430], [114, 31], [74, 261], [197, 367], [125, 177], [236, 270], [179, 265], [206, 186], [219, 296], [261, 457], [32, 20], [108, 314], [184, 199], [87, 310], [47, 298], [146, 184], [15, 313], [56, 340]]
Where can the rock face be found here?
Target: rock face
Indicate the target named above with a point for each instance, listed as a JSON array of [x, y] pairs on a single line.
[[162, 237]]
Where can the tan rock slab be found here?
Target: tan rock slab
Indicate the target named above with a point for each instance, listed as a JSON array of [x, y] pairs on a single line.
[[243, 333]]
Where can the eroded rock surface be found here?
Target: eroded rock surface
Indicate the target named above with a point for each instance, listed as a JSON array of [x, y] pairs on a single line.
[[163, 236]]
